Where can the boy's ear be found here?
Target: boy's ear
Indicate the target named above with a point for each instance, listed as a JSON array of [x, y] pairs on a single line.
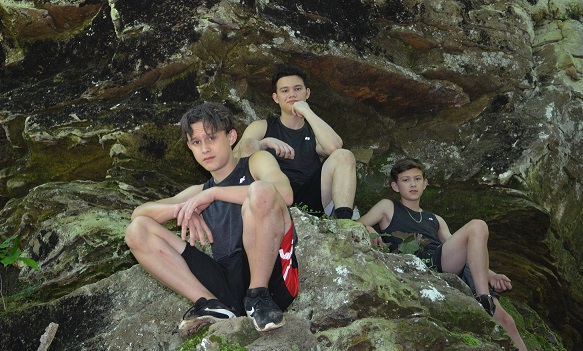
[[394, 186], [275, 98], [232, 137]]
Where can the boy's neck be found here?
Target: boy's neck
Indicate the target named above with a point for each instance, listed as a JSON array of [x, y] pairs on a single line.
[[413, 205], [221, 174], [291, 121]]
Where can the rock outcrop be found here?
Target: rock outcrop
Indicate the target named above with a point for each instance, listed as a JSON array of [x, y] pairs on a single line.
[[488, 93], [352, 297]]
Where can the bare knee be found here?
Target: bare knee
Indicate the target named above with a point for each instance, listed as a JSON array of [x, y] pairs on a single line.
[[261, 197], [134, 231], [343, 157], [479, 228]]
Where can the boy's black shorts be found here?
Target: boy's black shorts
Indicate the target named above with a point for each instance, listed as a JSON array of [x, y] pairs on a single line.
[[308, 196], [432, 258], [229, 278]]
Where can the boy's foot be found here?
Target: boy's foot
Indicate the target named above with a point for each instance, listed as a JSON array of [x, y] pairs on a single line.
[[487, 303], [260, 307], [204, 312]]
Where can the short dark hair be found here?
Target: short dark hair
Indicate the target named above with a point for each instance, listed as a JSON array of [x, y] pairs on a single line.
[[405, 165], [214, 117], [286, 70]]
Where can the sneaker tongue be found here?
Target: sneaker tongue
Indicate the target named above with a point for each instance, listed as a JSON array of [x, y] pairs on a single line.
[[255, 292], [200, 302]]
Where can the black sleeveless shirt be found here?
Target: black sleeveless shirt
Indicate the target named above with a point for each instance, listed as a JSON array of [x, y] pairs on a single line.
[[224, 218], [402, 222], [303, 141]]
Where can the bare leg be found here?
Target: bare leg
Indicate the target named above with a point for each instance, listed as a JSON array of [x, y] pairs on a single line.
[[508, 324], [339, 179], [469, 244], [265, 220], [159, 252]]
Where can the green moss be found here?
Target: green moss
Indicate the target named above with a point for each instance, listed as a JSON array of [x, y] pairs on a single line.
[[224, 345], [194, 340], [470, 340], [532, 329]]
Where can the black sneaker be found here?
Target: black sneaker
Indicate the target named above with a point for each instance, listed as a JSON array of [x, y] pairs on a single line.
[[260, 307], [487, 303], [204, 312]]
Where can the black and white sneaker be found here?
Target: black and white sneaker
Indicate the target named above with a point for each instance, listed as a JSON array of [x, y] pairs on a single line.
[[260, 307], [487, 303], [204, 312]]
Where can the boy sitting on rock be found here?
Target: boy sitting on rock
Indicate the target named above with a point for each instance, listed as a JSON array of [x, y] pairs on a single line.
[[442, 251], [242, 211]]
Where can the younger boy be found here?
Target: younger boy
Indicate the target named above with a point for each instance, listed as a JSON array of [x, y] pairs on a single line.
[[443, 251], [242, 211]]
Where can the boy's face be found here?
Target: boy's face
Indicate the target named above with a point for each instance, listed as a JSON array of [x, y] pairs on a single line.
[[212, 151], [410, 184], [289, 90]]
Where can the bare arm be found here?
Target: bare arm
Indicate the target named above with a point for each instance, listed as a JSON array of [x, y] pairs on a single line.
[[382, 214], [188, 213], [251, 139], [327, 140], [164, 210]]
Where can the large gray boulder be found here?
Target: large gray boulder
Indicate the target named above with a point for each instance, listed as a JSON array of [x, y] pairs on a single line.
[[351, 297]]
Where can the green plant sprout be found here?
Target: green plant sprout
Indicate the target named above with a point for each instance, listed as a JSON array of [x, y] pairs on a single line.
[[9, 254]]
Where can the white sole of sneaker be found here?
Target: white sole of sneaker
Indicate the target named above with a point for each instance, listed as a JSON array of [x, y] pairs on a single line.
[[269, 326]]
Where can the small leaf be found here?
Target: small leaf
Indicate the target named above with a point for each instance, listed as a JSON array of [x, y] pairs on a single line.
[[29, 262], [409, 246], [8, 242], [7, 261]]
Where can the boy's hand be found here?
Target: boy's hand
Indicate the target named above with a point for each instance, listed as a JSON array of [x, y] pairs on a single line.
[[300, 108], [188, 216], [197, 228], [500, 282], [281, 148], [377, 242]]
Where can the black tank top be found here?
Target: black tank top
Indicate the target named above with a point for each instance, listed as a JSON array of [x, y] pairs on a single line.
[[224, 218], [402, 222], [303, 141]]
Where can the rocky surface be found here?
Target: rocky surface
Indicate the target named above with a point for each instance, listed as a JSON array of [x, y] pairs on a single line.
[[353, 297], [488, 93]]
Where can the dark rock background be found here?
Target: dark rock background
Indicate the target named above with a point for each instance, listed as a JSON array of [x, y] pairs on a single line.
[[487, 93]]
